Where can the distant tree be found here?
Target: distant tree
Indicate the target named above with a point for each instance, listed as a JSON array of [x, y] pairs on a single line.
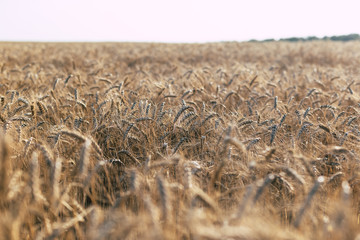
[[312, 38], [292, 39], [343, 38]]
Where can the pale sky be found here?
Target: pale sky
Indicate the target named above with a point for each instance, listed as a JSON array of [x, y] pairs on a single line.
[[175, 21]]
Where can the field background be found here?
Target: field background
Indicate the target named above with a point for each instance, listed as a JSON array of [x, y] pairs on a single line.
[[180, 141]]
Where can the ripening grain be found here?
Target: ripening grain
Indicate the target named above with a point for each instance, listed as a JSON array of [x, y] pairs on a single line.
[[180, 141]]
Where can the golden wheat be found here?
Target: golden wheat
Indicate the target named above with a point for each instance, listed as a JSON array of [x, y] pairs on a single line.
[[179, 141]]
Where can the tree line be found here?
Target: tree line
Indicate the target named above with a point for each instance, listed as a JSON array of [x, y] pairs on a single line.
[[343, 38]]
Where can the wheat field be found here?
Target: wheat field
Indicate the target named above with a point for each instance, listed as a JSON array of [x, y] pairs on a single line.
[[180, 141]]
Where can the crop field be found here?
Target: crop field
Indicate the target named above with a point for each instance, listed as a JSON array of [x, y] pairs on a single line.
[[180, 141]]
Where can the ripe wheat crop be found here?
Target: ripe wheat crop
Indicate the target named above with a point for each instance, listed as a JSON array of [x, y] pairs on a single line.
[[180, 141]]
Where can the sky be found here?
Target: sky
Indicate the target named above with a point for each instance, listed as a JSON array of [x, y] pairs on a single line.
[[175, 21]]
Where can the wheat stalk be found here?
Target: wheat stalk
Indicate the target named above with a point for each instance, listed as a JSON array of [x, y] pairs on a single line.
[[84, 158], [307, 202], [164, 197]]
